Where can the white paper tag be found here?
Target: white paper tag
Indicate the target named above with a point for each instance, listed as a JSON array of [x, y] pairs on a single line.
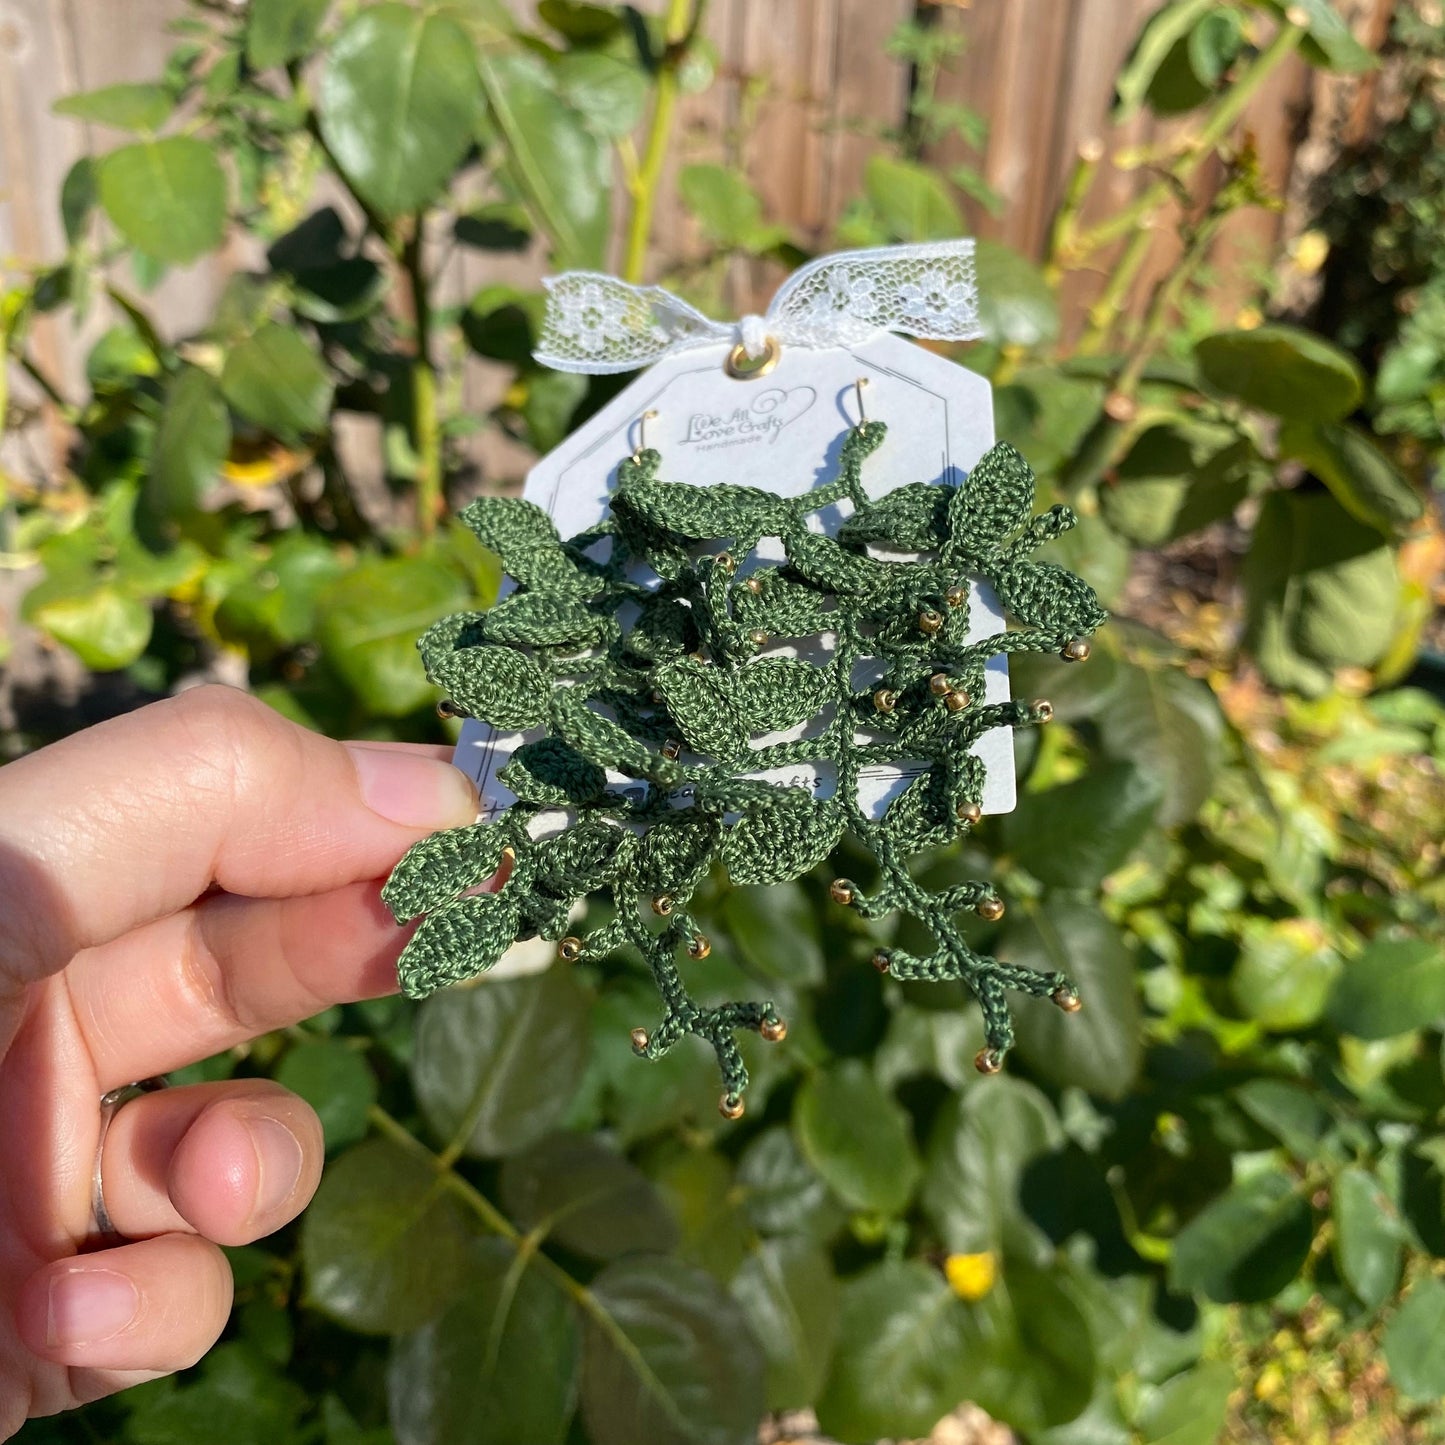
[[782, 432]]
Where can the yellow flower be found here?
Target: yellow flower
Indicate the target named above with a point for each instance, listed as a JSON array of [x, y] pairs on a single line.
[[971, 1275], [1309, 252], [1249, 318]]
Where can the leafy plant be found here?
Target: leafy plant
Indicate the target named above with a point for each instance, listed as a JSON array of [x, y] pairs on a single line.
[[1215, 1194]]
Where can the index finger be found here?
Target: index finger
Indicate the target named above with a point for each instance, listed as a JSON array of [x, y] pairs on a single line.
[[134, 819]]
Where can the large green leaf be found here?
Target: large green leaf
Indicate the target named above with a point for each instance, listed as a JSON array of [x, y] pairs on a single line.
[[1075, 835], [398, 103], [1329, 40], [912, 200], [166, 197], [790, 1297], [1166, 28], [1285, 970], [607, 91], [1396, 984], [1364, 480], [1016, 306], [334, 1079], [574, 1189], [1171, 726], [1099, 1048], [1321, 591], [857, 1138], [556, 164], [1368, 1238], [900, 1365], [1175, 480], [776, 932], [1189, 1409], [383, 1243], [1412, 1343], [275, 379], [1247, 1245], [191, 442], [727, 208], [709, 1211], [499, 1367], [668, 1358], [124, 107], [100, 623], [1282, 370], [368, 623], [281, 30], [1025, 1354], [782, 1192], [496, 1065], [981, 1144]]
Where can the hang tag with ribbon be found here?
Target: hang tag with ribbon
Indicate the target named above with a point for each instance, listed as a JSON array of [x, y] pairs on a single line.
[[767, 402]]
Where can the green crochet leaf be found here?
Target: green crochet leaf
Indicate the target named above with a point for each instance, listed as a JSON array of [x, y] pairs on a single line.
[[439, 868], [661, 653], [550, 773], [458, 941], [776, 847], [703, 704], [490, 682]]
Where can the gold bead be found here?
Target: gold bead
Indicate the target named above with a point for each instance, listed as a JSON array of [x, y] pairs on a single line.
[[758, 637], [956, 596], [841, 890], [754, 585], [1067, 1000], [940, 684], [885, 700], [882, 960], [446, 708], [1076, 651], [639, 1041], [662, 904], [991, 909], [956, 701], [988, 1061], [672, 749], [773, 1030], [730, 1106], [1043, 710], [726, 562], [698, 946], [569, 950], [970, 812], [929, 621]]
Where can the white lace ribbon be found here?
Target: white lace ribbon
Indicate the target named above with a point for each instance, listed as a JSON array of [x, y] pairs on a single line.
[[596, 323]]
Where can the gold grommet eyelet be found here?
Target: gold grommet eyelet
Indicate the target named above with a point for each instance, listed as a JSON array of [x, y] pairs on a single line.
[[742, 367]]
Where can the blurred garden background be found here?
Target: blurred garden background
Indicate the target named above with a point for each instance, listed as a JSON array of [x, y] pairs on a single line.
[[270, 284]]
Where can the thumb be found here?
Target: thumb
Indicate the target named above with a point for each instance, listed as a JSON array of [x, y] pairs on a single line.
[[136, 818]]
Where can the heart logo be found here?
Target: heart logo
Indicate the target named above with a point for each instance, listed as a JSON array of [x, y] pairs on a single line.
[[781, 407]]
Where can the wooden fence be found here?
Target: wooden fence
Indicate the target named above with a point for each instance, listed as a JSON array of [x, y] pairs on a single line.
[[804, 87]]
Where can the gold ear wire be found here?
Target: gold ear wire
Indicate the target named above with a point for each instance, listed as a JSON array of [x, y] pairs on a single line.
[[862, 415], [649, 415]]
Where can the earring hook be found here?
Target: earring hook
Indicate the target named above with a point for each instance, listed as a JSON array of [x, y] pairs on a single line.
[[649, 415], [862, 415]]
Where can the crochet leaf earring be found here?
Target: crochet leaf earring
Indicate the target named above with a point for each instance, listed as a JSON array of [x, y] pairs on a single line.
[[646, 666]]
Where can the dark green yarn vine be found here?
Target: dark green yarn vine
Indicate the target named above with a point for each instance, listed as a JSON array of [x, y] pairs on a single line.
[[647, 664]]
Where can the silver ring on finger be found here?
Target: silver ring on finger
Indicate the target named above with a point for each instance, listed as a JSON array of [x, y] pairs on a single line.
[[105, 1233]]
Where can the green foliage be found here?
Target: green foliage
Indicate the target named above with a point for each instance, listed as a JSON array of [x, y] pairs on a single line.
[[1229, 837]]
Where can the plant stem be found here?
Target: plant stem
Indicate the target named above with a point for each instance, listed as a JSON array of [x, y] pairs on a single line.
[[426, 431], [1232, 105], [678, 33]]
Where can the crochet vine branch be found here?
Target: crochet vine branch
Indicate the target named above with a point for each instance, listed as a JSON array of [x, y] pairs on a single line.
[[638, 651]]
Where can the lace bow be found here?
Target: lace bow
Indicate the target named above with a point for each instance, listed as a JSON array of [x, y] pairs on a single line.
[[596, 323]]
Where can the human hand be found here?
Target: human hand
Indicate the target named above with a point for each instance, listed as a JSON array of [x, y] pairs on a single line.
[[118, 960]]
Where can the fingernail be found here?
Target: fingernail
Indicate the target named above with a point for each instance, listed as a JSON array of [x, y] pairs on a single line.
[[87, 1306], [278, 1151], [414, 791]]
